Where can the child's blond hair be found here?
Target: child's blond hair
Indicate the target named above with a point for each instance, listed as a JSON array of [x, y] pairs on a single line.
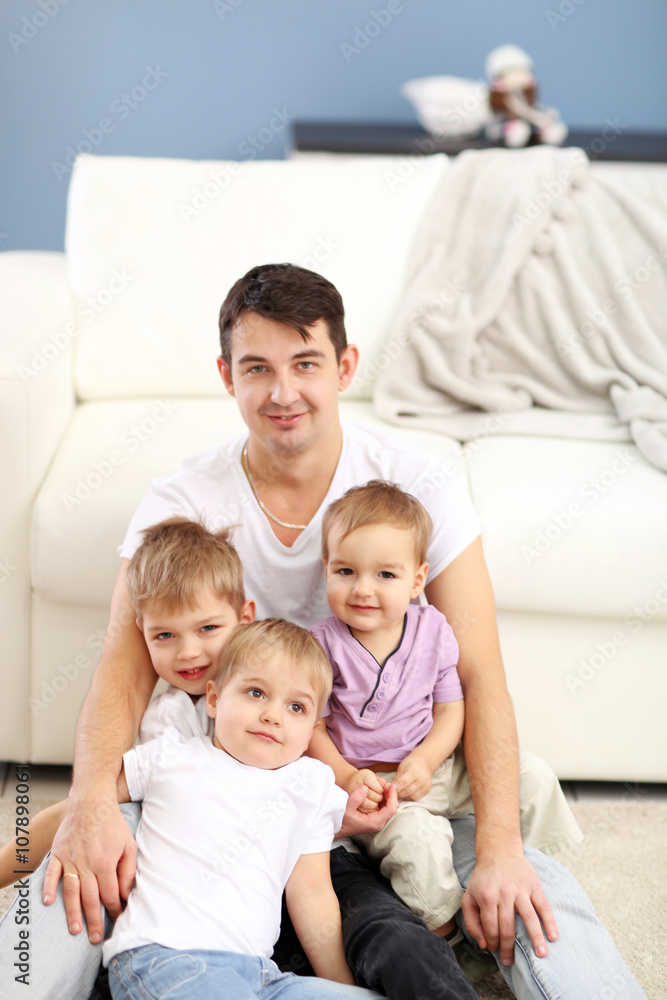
[[377, 502], [259, 640], [176, 560]]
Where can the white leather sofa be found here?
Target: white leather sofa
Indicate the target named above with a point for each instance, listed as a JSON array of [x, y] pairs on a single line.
[[108, 378]]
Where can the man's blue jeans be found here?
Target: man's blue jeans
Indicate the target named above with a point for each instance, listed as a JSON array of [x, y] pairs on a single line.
[[388, 949], [154, 972]]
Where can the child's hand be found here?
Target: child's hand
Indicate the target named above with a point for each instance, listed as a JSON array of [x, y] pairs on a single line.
[[356, 822], [375, 789], [413, 778]]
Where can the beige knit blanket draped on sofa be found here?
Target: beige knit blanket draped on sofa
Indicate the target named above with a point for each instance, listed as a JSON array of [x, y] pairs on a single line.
[[536, 283]]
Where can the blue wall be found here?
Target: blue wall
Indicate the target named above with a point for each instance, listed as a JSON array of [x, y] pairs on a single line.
[[200, 78]]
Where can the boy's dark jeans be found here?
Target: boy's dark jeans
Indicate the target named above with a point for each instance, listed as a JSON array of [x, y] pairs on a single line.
[[388, 948]]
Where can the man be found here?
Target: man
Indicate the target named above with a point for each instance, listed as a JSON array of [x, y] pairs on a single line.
[[285, 359]]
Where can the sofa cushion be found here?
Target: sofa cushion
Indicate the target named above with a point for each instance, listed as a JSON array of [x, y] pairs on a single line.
[[154, 245], [572, 527]]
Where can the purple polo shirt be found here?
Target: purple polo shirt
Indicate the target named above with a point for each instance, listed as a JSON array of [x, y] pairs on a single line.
[[380, 712]]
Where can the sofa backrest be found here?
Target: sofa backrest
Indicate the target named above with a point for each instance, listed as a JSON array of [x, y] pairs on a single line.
[[153, 245]]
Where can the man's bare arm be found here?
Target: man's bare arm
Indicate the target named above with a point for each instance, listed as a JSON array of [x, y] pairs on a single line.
[[94, 841], [503, 882]]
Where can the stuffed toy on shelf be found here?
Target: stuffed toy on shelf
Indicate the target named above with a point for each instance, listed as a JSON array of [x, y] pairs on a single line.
[[513, 97]]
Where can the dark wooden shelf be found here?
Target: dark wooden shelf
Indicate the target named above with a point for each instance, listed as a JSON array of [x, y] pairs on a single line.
[[604, 143]]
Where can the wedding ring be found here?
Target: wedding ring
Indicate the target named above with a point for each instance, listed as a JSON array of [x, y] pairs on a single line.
[[70, 875]]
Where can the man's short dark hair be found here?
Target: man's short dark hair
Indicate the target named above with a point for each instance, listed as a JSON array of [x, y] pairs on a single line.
[[286, 294]]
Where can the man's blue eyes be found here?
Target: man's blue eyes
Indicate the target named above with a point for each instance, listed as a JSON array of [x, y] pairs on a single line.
[[303, 365]]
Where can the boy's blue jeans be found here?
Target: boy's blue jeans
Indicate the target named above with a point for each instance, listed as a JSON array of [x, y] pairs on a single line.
[[154, 972], [387, 947]]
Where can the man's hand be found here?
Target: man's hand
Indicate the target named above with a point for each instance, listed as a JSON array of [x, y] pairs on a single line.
[[499, 888], [95, 844], [413, 777], [356, 821], [374, 788]]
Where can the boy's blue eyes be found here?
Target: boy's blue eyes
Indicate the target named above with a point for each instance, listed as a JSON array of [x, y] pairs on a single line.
[[170, 635]]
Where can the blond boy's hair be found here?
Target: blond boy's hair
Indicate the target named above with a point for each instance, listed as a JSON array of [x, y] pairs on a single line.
[[263, 639], [176, 560], [377, 502]]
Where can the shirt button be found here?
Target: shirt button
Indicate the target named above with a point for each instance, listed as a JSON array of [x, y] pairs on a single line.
[[372, 708], [380, 694], [386, 677]]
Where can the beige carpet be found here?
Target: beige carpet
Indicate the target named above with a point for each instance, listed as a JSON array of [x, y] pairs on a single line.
[[622, 864]]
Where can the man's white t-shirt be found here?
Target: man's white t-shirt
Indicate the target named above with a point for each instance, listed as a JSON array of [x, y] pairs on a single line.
[[217, 843], [288, 582]]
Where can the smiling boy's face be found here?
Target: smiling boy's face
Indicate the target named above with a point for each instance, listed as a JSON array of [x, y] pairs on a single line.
[[372, 575], [184, 645], [266, 713]]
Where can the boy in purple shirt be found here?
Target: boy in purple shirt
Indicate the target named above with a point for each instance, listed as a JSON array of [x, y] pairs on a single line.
[[396, 710]]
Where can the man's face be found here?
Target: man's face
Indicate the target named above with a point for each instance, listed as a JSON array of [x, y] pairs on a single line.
[[185, 645], [266, 714], [286, 387]]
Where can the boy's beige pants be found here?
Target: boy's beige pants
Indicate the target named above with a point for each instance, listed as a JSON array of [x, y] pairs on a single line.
[[414, 848]]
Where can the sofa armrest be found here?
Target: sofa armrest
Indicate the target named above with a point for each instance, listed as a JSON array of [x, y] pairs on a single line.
[[36, 403]]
